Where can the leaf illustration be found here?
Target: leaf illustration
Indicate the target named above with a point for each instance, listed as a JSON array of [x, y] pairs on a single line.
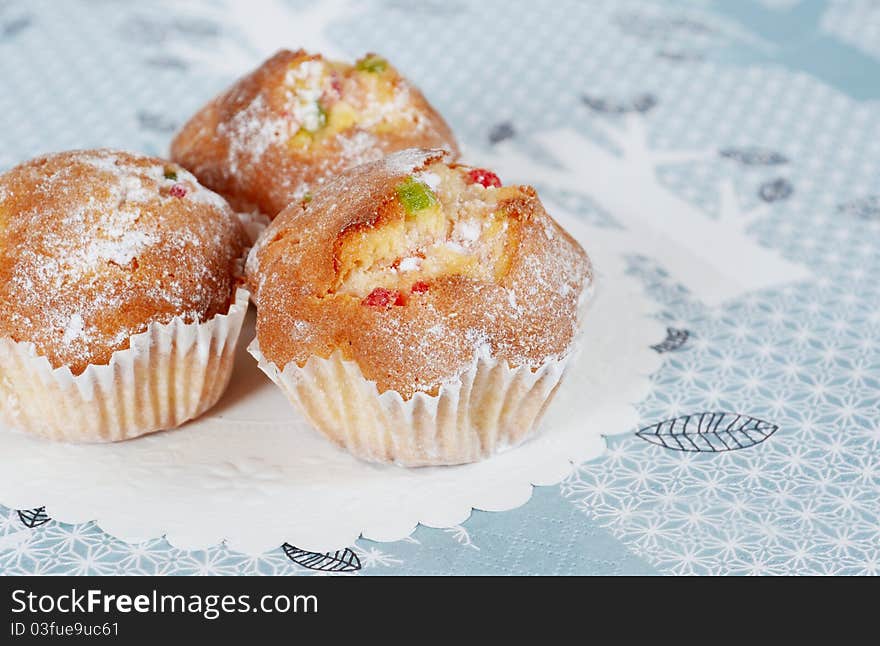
[[644, 102], [15, 26], [156, 122], [639, 103], [167, 62], [680, 56], [144, 30], [339, 561], [196, 27], [776, 190], [675, 338], [648, 26], [501, 132], [33, 517], [708, 432], [867, 208], [754, 156], [151, 31]]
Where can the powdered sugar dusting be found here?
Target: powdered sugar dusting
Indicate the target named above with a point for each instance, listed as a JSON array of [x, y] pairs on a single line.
[[94, 247], [406, 161], [432, 180], [467, 230], [299, 120], [411, 263], [251, 132], [484, 279], [360, 147], [307, 79], [74, 329]]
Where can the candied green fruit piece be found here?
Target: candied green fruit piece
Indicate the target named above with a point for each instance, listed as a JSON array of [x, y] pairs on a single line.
[[322, 116], [372, 63], [415, 195], [312, 126], [170, 173]]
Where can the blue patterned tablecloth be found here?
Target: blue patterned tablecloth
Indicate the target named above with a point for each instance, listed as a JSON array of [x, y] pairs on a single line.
[[786, 94]]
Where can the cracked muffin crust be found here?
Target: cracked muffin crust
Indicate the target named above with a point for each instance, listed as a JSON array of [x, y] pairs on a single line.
[[413, 265], [297, 120], [95, 245]]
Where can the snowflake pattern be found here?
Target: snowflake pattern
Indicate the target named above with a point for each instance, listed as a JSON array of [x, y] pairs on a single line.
[[800, 154], [802, 503]]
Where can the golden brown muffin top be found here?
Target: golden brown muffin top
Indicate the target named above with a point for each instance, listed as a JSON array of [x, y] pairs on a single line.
[[299, 119], [411, 267], [97, 244]]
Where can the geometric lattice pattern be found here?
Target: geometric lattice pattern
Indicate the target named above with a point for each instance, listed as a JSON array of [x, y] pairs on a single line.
[[788, 376]]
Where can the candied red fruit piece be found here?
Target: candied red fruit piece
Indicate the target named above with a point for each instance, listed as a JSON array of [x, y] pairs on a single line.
[[384, 298], [484, 177], [178, 190], [335, 86], [372, 63], [419, 287]]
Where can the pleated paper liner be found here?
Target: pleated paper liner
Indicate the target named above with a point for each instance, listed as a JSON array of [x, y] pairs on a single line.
[[487, 408], [171, 373], [254, 224]]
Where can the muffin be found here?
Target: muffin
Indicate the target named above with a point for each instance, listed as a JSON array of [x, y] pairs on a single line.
[[120, 304], [417, 311], [297, 120]]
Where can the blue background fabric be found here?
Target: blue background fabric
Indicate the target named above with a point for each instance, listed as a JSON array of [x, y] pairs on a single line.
[[787, 92]]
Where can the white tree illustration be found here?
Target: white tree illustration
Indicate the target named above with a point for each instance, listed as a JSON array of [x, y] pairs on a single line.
[[461, 536], [714, 258]]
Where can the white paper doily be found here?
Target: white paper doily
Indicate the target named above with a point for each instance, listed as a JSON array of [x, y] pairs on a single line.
[[251, 472]]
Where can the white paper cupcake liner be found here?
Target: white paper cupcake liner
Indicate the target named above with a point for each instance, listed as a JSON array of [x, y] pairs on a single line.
[[487, 408], [171, 373], [254, 224]]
